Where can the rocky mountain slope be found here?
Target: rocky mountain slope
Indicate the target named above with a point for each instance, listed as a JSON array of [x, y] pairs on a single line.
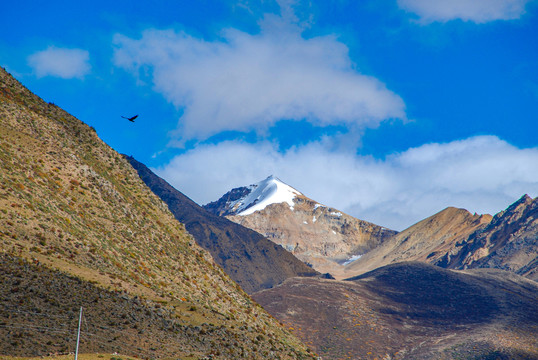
[[412, 311], [509, 242], [248, 258], [428, 240], [455, 239], [316, 234], [79, 228]]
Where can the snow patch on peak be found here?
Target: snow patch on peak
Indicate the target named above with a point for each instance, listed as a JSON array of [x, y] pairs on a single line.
[[269, 191], [318, 205], [351, 259]]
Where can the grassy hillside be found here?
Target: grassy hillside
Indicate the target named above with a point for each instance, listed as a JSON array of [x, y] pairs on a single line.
[[69, 202], [250, 259]]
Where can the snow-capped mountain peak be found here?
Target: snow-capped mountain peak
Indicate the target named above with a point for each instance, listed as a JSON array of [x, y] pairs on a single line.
[[269, 191]]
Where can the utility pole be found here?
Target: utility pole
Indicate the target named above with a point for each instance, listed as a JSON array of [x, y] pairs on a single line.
[[78, 334]]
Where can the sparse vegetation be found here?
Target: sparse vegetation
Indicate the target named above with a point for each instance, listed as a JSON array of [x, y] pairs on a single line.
[[68, 202]]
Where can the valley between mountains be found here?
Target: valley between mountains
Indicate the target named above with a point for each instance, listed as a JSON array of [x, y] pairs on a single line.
[[264, 272]]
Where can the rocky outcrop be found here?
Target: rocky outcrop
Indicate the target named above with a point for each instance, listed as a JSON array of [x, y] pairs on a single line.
[[427, 241], [508, 242], [223, 206]]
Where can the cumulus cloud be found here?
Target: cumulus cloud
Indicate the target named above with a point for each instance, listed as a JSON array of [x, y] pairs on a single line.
[[248, 82], [60, 62], [481, 174], [478, 11]]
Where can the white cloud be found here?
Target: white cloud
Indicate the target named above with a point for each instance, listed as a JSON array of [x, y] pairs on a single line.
[[248, 82], [479, 11], [482, 174], [60, 62]]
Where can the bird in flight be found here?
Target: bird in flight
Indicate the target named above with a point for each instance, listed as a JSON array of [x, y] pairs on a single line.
[[132, 119]]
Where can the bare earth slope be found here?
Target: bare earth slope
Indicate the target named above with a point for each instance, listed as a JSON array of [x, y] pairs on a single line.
[[316, 234], [427, 241], [75, 215], [251, 260], [412, 311], [508, 242]]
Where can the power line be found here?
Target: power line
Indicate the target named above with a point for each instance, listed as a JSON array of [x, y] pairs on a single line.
[[105, 340]]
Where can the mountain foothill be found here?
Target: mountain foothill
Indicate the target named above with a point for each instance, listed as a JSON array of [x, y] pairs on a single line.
[[264, 272]]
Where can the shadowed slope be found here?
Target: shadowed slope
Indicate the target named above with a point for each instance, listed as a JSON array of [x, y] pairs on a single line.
[[412, 311], [40, 312], [251, 260]]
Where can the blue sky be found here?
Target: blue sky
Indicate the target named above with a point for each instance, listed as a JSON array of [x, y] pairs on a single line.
[[389, 110]]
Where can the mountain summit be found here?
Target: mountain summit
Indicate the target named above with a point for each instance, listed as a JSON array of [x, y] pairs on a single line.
[[317, 234], [247, 200]]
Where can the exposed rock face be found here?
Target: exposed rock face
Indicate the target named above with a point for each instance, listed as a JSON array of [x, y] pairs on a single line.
[[223, 206], [427, 241], [248, 258], [509, 242], [412, 311], [316, 234]]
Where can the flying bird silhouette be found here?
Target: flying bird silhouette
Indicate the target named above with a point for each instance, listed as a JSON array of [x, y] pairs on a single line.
[[132, 119]]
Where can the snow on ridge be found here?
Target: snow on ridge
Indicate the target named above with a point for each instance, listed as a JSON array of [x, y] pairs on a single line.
[[318, 205], [351, 259], [269, 191], [237, 205]]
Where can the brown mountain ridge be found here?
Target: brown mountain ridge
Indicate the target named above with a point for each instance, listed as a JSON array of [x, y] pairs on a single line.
[[456, 239], [427, 241], [508, 242]]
